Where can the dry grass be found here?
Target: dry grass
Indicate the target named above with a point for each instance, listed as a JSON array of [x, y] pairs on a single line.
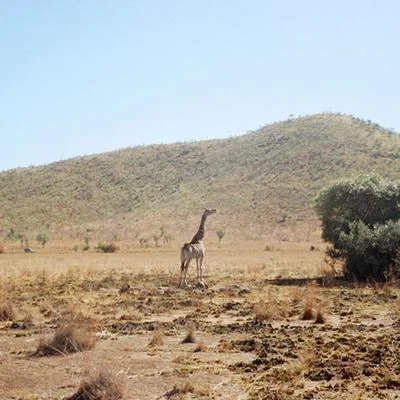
[[272, 310], [6, 311], [308, 312], [133, 316], [73, 335], [320, 317], [107, 247], [310, 300], [200, 347], [189, 338], [179, 390], [102, 386], [157, 338], [53, 284], [261, 312]]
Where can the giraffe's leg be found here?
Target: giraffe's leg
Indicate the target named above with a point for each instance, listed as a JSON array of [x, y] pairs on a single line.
[[182, 281], [181, 275], [200, 272], [184, 261]]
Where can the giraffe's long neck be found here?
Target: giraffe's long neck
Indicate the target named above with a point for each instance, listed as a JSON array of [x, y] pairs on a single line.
[[201, 231]]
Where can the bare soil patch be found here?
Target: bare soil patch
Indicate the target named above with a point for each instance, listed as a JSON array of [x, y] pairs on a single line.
[[247, 336]]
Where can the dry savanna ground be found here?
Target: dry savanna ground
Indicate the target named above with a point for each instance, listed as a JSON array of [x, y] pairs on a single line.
[[85, 325]]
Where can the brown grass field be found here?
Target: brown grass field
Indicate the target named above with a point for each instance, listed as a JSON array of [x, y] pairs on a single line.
[[88, 325]]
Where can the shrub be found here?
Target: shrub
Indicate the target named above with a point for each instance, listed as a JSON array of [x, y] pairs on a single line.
[[220, 234], [189, 338], [361, 218], [102, 386], [320, 318], [6, 311], [107, 247], [371, 254], [75, 335], [308, 312], [157, 339], [371, 199]]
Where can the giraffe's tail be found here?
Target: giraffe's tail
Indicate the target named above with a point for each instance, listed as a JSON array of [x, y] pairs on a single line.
[[183, 256]]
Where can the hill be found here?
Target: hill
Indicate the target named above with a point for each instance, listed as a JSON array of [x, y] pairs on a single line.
[[262, 183]]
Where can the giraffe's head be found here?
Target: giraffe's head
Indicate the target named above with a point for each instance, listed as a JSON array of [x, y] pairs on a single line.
[[209, 211]]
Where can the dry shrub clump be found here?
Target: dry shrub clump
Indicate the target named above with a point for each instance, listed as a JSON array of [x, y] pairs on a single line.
[[180, 390], [200, 347], [71, 336], [107, 247], [157, 339], [189, 338], [261, 313], [6, 311], [320, 318], [310, 299], [273, 310], [308, 313], [102, 386]]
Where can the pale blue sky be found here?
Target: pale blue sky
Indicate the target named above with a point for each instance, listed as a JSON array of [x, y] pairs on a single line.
[[88, 76]]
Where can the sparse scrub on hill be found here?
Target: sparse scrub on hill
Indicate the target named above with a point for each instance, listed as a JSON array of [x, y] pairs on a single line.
[[283, 165], [15, 235], [361, 218], [42, 238]]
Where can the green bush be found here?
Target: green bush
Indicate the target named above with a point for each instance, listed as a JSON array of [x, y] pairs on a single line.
[[361, 218], [371, 199], [371, 254]]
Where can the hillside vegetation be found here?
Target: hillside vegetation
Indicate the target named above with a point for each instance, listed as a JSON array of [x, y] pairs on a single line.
[[262, 183]]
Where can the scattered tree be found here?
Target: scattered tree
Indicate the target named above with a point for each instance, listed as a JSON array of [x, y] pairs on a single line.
[[220, 234], [156, 239], [42, 238], [12, 234], [166, 237], [86, 239], [143, 242]]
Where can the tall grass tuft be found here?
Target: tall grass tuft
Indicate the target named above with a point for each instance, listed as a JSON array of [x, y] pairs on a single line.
[[189, 338], [157, 339], [6, 311], [102, 386], [73, 335]]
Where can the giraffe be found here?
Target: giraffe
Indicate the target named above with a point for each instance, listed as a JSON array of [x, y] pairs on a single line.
[[195, 250]]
